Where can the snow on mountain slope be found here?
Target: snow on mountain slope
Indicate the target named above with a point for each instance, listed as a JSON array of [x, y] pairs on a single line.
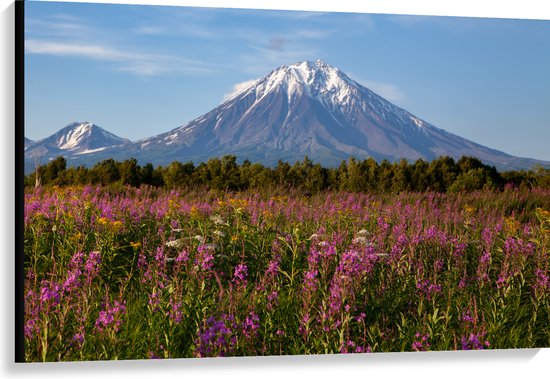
[[79, 138]]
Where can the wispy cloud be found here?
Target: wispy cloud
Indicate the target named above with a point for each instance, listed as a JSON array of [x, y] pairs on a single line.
[[138, 63], [98, 52], [312, 33], [150, 30], [180, 30], [56, 26], [238, 88], [388, 91]]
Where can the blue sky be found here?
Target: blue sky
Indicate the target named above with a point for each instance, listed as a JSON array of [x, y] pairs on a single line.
[[141, 70]]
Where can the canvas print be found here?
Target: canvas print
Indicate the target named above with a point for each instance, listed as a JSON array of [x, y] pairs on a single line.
[[209, 182]]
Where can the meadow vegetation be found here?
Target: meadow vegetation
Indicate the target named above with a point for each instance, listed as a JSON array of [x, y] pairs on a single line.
[[149, 272]]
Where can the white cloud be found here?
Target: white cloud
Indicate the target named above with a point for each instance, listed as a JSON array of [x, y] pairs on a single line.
[[137, 63], [388, 91], [67, 49], [150, 30], [239, 87]]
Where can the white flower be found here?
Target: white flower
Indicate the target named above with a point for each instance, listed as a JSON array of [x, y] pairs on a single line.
[[217, 220], [210, 246], [200, 238], [176, 243], [219, 233], [362, 232], [359, 240]]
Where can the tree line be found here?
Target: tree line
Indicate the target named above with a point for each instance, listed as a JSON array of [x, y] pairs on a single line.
[[441, 175]]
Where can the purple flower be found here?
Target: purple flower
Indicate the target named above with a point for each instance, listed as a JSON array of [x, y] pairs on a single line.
[[175, 314], [273, 267], [272, 300], [110, 316], [142, 261], [459, 249], [30, 328], [205, 258], [474, 342], [485, 257], [216, 338], [428, 288], [487, 237], [92, 264], [183, 256], [361, 317], [154, 301], [304, 325], [421, 342], [310, 281], [541, 280], [160, 257], [72, 282], [50, 293], [466, 317], [251, 325], [240, 274], [78, 339], [503, 279]]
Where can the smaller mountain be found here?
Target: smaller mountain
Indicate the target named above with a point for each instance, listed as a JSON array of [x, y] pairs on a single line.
[[28, 142], [74, 139]]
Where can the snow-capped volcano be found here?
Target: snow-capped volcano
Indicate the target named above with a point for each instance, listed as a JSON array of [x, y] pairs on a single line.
[[306, 108], [314, 109], [75, 138], [84, 136]]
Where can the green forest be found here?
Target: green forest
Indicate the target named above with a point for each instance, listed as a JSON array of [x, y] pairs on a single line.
[[441, 175]]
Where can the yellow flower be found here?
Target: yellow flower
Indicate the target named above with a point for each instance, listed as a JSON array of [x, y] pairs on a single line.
[[194, 211], [103, 220], [117, 225], [135, 245], [512, 224], [469, 209]]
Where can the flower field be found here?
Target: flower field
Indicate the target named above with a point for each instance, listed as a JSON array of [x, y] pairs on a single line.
[[145, 273]]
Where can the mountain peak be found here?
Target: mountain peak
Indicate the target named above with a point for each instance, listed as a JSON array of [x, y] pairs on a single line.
[[315, 79], [76, 138], [74, 134]]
